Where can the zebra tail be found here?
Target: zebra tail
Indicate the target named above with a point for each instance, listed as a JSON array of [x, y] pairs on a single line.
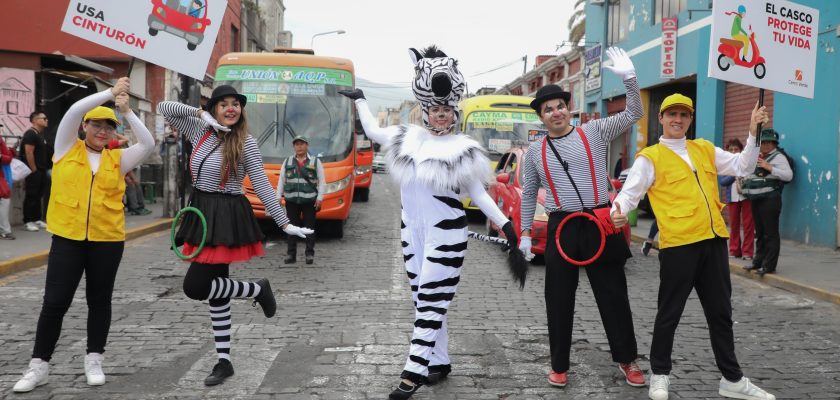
[[518, 266]]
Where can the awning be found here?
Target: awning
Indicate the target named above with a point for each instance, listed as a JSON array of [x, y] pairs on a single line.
[[136, 101], [72, 63]]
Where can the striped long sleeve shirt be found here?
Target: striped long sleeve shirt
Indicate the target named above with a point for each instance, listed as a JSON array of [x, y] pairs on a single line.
[[599, 133], [183, 118]]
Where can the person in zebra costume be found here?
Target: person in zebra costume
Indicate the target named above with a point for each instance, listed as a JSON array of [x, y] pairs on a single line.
[[574, 173], [223, 153], [433, 166]]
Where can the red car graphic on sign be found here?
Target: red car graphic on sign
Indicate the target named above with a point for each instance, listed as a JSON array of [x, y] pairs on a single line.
[[182, 18]]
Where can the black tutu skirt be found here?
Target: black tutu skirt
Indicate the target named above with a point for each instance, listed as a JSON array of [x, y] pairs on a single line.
[[230, 221]]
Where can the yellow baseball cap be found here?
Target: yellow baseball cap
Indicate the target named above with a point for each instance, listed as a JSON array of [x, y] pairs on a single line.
[[102, 113], [676, 99]]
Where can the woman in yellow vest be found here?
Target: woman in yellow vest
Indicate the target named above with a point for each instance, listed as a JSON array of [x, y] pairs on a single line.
[[680, 178], [87, 220]]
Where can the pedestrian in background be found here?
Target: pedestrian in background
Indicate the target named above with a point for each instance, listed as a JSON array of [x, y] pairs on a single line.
[[33, 152], [680, 178], [6, 184], [740, 211], [302, 184], [88, 226], [764, 187], [224, 152]]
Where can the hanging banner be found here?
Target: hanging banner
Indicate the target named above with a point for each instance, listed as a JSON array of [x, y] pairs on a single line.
[[175, 34], [592, 71], [668, 57], [770, 44]]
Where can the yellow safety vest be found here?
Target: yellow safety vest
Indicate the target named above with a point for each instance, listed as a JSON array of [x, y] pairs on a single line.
[[686, 204], [86, 206]]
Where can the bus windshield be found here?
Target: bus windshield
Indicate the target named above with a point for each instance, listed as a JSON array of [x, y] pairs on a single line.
[[278, 111], [499, 131]]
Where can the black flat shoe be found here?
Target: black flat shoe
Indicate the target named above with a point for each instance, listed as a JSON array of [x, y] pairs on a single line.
[[750, 267], [403, 391], [221, 371], [266, 298], [438, 373], [761, 271], [289, 260]]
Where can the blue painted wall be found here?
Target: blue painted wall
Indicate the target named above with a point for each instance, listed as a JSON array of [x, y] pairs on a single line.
[[810, 128]]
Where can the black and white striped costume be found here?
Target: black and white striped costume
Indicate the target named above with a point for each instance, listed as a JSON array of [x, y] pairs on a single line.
[[211, 282], [432, 172]]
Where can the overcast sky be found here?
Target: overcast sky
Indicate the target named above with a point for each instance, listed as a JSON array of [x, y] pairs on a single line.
[[482, 35]]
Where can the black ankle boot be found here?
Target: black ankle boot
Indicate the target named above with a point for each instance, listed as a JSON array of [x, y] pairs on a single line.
[[403, 391], [438, 373], [221, 371], [266, 298]]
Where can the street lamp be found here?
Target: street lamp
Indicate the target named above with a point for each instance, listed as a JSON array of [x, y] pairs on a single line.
[[312, 42]]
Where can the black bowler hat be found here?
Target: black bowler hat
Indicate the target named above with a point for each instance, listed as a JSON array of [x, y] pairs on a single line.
[[220, 93], [549, 92]]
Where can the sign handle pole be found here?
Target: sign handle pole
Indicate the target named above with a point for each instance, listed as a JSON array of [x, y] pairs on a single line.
[[758, 129], [130, 67]]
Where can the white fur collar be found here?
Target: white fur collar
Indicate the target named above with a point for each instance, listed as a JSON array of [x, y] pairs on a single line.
[[441, 163]]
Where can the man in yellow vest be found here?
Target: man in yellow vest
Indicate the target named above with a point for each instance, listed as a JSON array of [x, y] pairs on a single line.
[[680, 178]]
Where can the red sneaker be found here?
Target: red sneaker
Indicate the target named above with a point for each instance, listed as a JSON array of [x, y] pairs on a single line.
[[632, 373], [558, 378]]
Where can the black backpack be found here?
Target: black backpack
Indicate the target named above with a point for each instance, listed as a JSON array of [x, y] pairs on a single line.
[[790, 162]]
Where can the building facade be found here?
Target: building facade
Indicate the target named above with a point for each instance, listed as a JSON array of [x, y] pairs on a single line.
[[810, 128]]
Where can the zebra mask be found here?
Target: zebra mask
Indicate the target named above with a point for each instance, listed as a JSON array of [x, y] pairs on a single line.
[[437, 81]]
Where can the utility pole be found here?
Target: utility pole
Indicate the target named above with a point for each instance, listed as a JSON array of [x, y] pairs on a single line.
[[524, 65]]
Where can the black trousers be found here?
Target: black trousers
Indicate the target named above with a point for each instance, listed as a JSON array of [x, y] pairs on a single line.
[[294, 211], [580, 239], [766, 214], [36, 186], [703, 266], [67, 260]]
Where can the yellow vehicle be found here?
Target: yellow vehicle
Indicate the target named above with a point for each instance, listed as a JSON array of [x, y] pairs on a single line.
[[499, 123], [293, 92]]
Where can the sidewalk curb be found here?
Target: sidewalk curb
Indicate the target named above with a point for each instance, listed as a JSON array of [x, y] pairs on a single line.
[[33, 260], [771, 279]]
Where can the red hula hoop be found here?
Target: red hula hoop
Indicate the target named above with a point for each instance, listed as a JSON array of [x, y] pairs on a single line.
[[592, 218]]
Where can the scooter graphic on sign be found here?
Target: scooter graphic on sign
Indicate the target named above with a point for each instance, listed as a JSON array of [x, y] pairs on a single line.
[[729, 50], [182, 18]]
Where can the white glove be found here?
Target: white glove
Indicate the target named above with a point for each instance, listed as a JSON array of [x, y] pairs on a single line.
[[622, 65], [206, 117], [525, 246], [298, 231]]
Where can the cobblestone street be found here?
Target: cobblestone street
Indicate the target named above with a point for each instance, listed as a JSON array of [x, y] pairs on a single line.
[[343, 326]]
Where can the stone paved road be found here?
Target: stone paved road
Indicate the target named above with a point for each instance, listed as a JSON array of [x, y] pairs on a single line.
[[343, 325]]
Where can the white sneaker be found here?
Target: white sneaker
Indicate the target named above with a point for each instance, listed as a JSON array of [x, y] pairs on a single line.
[[41, 224], [658, 387], [93, 369], [31, 227], [743, 389], [36, 375]]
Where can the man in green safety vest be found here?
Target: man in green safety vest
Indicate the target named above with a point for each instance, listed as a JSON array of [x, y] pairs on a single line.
[[302, 184]]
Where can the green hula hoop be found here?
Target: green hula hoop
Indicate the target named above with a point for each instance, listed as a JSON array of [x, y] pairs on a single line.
[[203, 232]]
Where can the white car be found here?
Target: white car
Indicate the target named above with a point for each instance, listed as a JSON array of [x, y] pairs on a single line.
[[379, 164]]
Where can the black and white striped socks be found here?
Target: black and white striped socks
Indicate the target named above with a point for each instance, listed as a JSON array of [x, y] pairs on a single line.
[[221, 291], [226, 288]]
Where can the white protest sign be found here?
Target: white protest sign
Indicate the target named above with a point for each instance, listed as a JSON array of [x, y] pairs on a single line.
[[175, 34], [770, 44]]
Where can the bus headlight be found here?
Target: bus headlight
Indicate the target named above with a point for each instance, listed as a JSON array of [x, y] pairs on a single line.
[[362, 169], [339, 185], [197, 25], [540, 214]]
